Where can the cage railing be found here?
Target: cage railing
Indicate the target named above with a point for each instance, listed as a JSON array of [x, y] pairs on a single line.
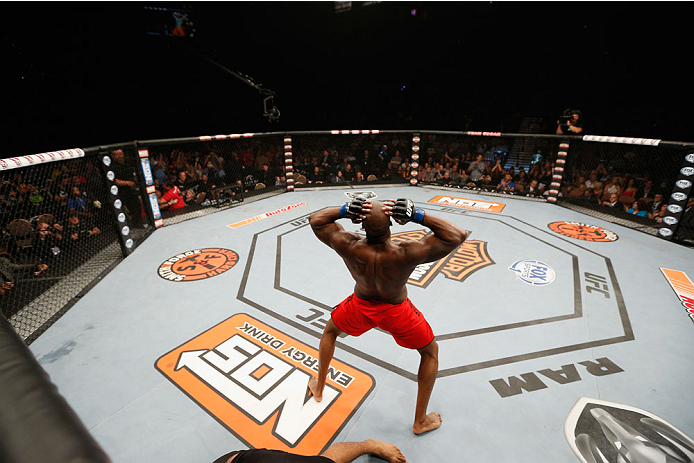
[[69, 216]]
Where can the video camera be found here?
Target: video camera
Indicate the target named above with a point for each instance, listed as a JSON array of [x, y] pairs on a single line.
[[567, 115]]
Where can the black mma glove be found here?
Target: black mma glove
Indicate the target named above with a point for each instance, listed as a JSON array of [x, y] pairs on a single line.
[[353, 209], [404, 211]]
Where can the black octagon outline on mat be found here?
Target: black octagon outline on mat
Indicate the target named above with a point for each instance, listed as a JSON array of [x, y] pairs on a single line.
[[578, 312]]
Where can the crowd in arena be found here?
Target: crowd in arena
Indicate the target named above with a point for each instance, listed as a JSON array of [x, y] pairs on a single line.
[[57, 206], [47, 214]]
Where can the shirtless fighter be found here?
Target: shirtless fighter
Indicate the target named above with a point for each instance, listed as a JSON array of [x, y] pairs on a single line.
[[380, 269]]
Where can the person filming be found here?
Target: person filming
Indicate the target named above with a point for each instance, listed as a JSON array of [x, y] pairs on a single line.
[[570, 123]]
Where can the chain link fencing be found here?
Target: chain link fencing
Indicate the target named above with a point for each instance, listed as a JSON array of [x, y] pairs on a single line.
[[67, 219]]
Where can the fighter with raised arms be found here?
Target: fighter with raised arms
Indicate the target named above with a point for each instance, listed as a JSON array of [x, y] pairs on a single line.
[[380, 269]]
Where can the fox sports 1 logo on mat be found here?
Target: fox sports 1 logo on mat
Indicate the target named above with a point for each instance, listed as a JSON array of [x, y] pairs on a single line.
[[197, 264], [533, 272], [583, 231]]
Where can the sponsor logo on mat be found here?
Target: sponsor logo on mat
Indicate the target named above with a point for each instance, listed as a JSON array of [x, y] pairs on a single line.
[[608, 432], [533, 272], [253, 379], [683, 287], [265, 215], [583, 231], [198, 264], [473, 204], [470, 257], [361, 194]]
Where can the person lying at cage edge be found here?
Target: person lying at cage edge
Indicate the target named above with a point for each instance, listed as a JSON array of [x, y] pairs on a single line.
[[381, 269], [570, 122], [342, 452]]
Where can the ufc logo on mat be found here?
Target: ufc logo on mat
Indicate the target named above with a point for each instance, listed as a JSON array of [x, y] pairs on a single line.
[[253, 379]]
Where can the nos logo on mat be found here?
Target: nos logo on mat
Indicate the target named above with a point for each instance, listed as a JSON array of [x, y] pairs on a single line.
[[533, 272], [253, 379]]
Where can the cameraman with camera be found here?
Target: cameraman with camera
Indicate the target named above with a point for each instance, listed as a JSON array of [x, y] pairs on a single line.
[[569, 123]]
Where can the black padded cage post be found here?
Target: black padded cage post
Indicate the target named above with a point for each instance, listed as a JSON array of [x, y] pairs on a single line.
[[414, 163], [680, 201], [116, 201], [288, 163]]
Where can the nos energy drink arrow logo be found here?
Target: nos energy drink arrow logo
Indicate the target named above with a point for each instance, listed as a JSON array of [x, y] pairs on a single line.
[[253, 379]]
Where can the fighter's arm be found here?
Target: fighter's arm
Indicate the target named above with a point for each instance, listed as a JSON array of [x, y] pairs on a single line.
[[325, 227], [446, 237]]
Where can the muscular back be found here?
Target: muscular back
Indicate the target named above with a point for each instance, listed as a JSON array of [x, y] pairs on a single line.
[[379, 270], [380, 267]]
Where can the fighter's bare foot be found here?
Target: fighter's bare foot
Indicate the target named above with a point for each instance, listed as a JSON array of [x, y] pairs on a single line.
[[313, 387], [431, 421], [386, 451]]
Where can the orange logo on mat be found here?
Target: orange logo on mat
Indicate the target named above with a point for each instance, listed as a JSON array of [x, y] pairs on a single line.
[[582, 231], [683, 287], [470, 257], [474, 204], [253, 379], [198, 264]]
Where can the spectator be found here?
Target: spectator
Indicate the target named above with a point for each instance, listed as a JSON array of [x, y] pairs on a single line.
[[265, 176], [522, 177], [506, 184], [360, 177], [631, 189], [497, 172], [76, 231], [638, 208], [658, 214], [428, 175], [655, 205], [46, 244], [78, 202], [687, 219], [613, 202], [486, 182], [316, 176], [476, 169], [203, 189], [446, 179], [338, 178], [171, 197], [348, 173], [648, 191], [396, 160], [614, 187], [532, 188], [592, 181]]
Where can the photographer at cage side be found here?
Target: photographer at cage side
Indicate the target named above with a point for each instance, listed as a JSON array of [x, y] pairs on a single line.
[[570, 123]]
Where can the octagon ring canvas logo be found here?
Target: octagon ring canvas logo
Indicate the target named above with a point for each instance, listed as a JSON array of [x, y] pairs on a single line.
[[197, 264], [583, 231], [253, 379]]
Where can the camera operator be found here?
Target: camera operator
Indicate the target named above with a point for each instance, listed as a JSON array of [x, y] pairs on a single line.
[[570, 123]]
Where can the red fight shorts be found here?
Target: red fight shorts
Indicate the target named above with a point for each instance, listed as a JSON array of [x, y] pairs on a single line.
[[403, 321]]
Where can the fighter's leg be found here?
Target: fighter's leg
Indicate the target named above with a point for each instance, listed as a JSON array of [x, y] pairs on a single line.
[[344, 452], [326, 350], [426, 377]]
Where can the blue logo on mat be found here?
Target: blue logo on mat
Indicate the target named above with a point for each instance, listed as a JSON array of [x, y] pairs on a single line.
[[533, 272]]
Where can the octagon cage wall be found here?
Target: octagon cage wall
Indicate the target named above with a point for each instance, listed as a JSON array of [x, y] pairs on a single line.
[[157, 282]]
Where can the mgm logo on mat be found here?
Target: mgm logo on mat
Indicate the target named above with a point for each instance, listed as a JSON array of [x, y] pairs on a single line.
[[468, 258]]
